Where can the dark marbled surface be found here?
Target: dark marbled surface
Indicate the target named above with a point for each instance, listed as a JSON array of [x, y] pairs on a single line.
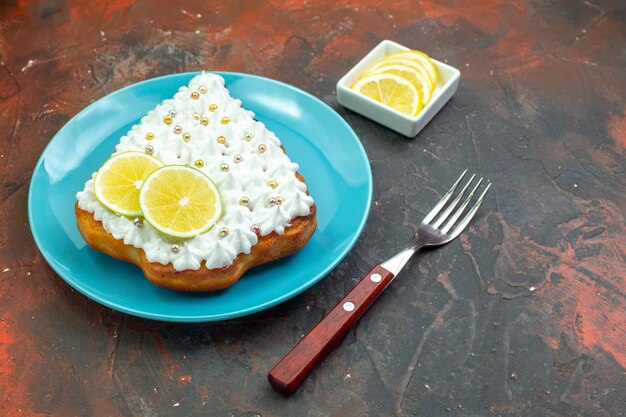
[[524, 315]]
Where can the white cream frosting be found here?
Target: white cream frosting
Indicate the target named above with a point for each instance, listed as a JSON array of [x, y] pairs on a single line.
[[247, 178]]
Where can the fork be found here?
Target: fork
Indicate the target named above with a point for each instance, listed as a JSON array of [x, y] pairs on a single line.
[[291, 371]]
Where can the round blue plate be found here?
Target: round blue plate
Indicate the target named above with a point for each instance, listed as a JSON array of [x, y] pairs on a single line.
[[331, 158]]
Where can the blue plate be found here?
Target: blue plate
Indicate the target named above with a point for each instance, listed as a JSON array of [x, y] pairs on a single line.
[[331, 158]]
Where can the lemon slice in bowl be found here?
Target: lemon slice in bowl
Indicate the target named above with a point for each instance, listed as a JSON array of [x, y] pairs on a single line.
[[422, 59], [406, 62], [119, 180], [391, 90], [420, 81], [180, 201]]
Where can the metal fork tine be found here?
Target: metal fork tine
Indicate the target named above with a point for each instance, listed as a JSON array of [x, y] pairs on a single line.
[[470, 214], [443, 200], [460, 210], [446, 213]]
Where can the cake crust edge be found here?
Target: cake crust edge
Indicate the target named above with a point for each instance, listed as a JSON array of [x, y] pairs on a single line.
[[268, 248]]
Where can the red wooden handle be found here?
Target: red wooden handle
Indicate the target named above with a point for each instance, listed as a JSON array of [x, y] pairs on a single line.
[[289, 373]]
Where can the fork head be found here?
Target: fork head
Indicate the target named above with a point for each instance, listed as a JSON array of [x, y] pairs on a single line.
[[438, 229]]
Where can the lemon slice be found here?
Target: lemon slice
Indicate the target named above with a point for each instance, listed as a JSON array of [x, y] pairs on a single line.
[[180, 201], [391, 90], [410, 74], [119, 180], [421, 58], [406, 62]]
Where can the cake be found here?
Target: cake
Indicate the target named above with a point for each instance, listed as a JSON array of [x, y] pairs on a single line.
[[267, 211]]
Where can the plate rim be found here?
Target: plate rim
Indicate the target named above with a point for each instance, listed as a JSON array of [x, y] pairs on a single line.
[[53, 263]]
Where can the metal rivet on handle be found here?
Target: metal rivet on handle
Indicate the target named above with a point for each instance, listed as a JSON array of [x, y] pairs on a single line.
[[348, 306], [376, 277]]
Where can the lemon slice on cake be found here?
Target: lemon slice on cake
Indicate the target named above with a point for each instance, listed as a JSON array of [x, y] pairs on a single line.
[[391, 90], [119, 180], [180, 201]]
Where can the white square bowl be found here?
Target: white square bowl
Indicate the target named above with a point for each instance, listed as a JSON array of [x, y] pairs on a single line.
[[408, 126]]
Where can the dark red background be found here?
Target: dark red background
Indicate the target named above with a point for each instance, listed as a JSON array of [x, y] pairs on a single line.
[[524, 315]]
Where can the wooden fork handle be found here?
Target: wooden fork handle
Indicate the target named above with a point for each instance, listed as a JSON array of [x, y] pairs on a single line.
[[289, 373]]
